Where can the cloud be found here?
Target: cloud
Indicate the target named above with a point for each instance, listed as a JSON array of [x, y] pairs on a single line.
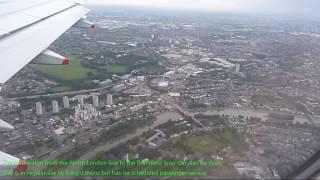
[[252, 6], [181, 4]]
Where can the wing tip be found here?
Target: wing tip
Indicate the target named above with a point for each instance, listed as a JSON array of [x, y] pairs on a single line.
[[66, 61]]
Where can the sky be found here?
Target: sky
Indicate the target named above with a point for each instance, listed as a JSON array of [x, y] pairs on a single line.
[[247, 6]]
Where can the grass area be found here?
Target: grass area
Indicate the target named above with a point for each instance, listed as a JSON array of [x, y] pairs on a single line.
[[233, 138], [28, 148], [226, 171], [56, 89], [177, 150], [117, 69], [202, 144], [272, 101], [42, 149], [73, 71], [209, 143], [176, 61], [61, 88], [294, 101]]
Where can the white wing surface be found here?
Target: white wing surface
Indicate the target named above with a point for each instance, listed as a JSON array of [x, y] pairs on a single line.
[[29, 27]]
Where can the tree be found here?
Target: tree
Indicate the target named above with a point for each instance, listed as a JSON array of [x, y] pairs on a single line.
[[90, 74]]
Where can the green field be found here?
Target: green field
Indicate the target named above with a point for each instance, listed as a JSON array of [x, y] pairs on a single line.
[[41, 150], [73, 71], [117, 69], [61, 89], [176, 61], [202, 144], [209, 143]]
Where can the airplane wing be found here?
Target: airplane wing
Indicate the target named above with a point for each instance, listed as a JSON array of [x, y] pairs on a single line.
[[10, 164], [28, 27]]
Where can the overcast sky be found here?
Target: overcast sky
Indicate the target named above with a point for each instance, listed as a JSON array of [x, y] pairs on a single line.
[[250, 6]]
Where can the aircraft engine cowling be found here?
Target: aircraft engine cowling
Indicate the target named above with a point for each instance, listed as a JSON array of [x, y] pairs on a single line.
[[50, 58]]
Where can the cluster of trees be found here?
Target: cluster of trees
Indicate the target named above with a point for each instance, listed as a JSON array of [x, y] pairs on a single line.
[[131, 61]]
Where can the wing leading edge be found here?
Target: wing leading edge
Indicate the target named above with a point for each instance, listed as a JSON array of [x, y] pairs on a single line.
[[23, 39], [28, 28]]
